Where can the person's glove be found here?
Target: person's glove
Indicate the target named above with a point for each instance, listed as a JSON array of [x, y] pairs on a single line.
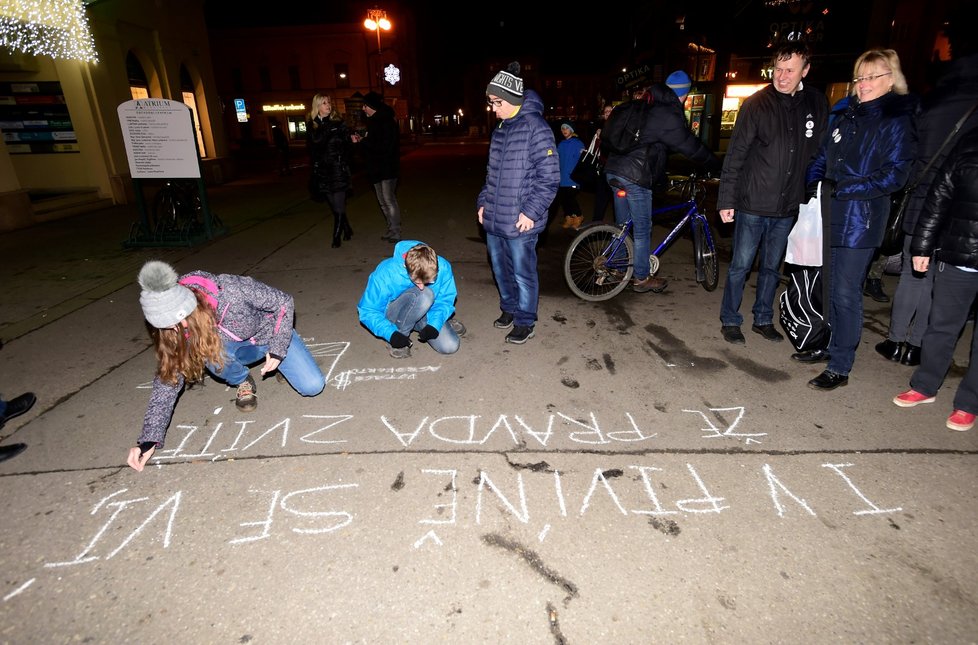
[[428, 333], [399, 340], [714, 167]]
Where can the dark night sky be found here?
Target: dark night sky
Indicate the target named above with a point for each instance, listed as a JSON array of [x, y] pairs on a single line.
[[451, 35], [564, 38]]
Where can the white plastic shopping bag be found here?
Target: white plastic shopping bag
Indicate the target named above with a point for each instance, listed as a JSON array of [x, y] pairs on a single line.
[[805, 239]]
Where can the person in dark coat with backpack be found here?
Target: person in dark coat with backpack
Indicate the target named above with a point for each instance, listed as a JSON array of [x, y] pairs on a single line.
[[947, 228], [330, 144], [521, 182], [865, 157], [637, 140]]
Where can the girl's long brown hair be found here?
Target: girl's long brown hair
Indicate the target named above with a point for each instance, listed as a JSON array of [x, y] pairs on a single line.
[[178, 355]]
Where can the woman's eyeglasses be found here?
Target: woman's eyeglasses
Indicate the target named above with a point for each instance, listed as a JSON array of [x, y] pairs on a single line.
[[494, 102], [871, 77]]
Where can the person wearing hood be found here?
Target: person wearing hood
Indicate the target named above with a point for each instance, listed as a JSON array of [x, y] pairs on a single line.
[[382, 155], [521, 181], [412, 291], [865, 157]]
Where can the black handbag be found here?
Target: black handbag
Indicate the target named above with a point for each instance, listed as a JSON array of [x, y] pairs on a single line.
[[894, 235], [587, 173]]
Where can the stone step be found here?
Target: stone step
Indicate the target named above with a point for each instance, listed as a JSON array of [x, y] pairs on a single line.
[[51, 205]]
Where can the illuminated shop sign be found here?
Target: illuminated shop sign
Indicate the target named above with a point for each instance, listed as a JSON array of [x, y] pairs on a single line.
[[279, 107]]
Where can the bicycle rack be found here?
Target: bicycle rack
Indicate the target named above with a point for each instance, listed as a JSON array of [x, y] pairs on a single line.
[[189, 233]]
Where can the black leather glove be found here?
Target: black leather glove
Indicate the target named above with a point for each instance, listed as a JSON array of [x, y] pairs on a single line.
[[399, 340], [428, 333], [810, 191]]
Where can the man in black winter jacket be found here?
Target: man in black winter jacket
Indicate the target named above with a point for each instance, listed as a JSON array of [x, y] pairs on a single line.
[[382, 152], [778, 130], [632, 171]]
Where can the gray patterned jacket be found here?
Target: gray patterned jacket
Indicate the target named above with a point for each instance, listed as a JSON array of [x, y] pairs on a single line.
[[246, 309]]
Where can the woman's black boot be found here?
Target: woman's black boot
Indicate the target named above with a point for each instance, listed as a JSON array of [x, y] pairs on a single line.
[[911, 355], [347, 229], [337, 230], [889, 350]]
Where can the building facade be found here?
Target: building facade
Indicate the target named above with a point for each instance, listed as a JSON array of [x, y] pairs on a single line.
[[62, 134]]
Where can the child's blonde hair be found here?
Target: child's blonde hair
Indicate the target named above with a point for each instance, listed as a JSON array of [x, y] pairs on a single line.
[[422, 264]]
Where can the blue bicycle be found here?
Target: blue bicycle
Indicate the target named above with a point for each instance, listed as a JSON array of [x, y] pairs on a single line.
[[598, 264]]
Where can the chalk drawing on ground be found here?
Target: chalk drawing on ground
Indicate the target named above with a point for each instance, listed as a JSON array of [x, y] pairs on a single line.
[[713, 432]]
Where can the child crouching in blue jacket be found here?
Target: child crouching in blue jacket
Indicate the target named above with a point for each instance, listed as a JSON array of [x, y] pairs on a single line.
[[414, 290]]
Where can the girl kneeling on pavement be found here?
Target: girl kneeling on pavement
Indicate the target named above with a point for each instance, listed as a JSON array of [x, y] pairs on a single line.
[[222, 323]]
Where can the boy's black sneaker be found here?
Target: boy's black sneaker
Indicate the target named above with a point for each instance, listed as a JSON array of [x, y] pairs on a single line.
[[519, 335], [505, 321]]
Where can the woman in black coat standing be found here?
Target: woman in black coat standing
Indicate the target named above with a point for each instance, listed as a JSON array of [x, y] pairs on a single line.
[[947, 228], [330, 145]]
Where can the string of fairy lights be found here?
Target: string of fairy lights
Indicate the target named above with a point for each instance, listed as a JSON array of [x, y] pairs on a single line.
[[55, 28]]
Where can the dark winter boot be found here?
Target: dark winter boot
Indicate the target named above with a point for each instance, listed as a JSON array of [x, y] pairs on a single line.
[[347, 229], [337, 230], [874, 289]]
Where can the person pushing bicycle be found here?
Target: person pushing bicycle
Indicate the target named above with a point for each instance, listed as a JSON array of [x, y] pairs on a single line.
[[637, 140]]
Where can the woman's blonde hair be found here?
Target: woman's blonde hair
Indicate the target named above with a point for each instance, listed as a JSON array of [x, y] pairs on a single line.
[[888, 59], [187, 351], [318, 100]]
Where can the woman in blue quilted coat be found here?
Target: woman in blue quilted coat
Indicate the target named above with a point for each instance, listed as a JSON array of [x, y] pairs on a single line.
[[866, 156]]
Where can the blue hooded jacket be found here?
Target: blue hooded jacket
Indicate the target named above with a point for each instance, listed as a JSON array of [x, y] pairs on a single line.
[[867, 154], [522, 173], [390, 279]]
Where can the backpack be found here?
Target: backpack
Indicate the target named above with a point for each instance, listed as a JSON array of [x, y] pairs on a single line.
[[801, 310], [621, 134]]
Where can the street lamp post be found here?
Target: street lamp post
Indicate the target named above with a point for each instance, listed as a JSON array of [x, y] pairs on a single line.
[[377, 21]]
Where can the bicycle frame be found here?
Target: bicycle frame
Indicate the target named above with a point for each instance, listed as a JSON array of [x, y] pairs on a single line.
[[691, 212], [599, 262]]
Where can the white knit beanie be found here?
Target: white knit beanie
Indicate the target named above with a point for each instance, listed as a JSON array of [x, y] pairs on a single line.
[[165, 302]]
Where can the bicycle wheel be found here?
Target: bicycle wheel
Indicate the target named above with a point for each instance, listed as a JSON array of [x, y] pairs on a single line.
[[590, 273], [166, 211], [191, 218], [705, 255]]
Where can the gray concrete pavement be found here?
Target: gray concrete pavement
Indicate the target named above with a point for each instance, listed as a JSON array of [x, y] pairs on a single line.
[[626, 476]]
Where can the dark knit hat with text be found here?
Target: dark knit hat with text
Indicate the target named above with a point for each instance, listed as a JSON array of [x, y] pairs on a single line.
[[165, 301], [507, 84]]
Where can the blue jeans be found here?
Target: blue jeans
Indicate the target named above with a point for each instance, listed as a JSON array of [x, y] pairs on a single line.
[[409, 312], [637, 204], [849, 268], [514, 265], [299, 368], [386, 191], [954, 293], [753, 235]]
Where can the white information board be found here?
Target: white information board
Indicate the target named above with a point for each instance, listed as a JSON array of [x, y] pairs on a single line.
[[159, 137]]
